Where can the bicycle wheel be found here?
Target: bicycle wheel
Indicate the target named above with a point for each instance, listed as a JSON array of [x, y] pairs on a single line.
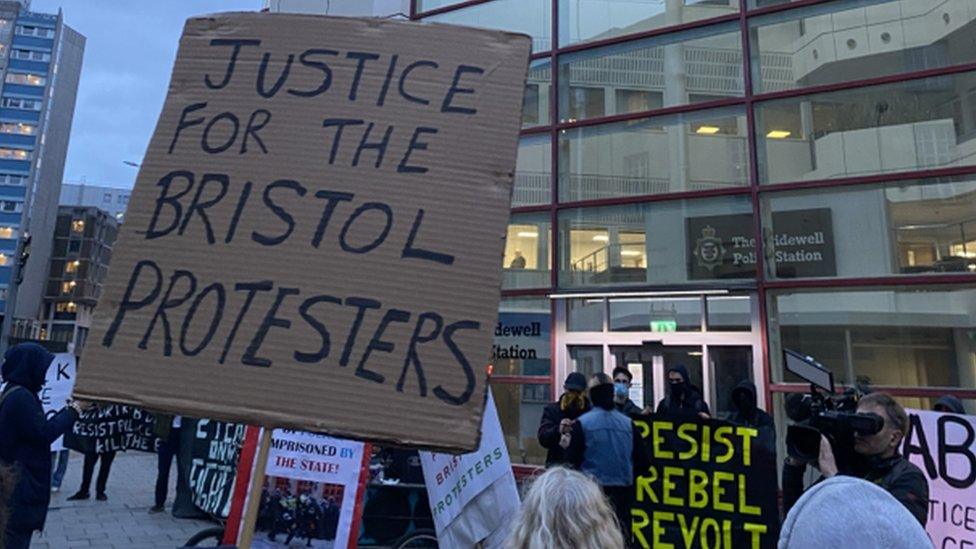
[[417, 539], [208, 537]]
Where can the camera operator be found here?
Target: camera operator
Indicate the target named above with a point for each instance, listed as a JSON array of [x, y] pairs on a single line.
[[885, 466]]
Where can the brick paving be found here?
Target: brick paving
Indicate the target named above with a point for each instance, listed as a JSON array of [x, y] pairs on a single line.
[[121, 522]]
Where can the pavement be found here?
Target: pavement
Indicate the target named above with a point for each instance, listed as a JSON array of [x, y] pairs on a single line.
[[121, 522]]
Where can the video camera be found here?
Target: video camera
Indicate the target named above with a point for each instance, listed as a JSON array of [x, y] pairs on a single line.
[[823, 412]]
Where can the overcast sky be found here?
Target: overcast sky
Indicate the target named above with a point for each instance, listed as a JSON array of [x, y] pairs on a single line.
[[128, 58]]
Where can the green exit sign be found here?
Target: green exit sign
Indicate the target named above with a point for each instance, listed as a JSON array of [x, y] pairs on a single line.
[[664, 325]]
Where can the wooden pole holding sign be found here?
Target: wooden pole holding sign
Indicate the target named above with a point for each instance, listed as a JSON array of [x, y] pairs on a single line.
[[253, 504]]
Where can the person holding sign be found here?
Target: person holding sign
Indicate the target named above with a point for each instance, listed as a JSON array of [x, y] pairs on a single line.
[[683, 398], [558, 417], [25, 440], [606, 445], [886, 467]]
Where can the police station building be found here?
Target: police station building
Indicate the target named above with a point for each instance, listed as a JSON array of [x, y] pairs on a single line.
[[708, 182]]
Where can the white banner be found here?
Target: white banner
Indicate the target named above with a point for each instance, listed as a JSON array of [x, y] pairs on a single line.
[[943, 446], [58, 384], [310, 491], [473, 497]]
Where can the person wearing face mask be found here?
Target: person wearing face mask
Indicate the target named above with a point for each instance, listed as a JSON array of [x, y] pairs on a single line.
[[748, 414], [607, 446], [558, 417], [886, 467], [683, 398], [622, 380]]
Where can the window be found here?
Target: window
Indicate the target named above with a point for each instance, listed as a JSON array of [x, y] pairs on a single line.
[[535, 104], [107, 198], [642, 314], [663, 154], [522, 342], [520, 407], [23, 104], [68, 287], [28, 55], [78, 225], [40, 32], [12, 179], [903, 337], [710, 60], [72, 266], [835, 42], [527, 252], [18, 128], [585, 315], [896, 127], [14, 154], [532, 171], [912, 227], [531, 17], [121, 199], [11, 206], [680, 241], [8, 232], [74, 245], [66, 307], [27, 79], [585, 20], [4, 258]]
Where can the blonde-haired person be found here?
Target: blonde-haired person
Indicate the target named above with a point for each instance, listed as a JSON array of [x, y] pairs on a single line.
[[564, 509]]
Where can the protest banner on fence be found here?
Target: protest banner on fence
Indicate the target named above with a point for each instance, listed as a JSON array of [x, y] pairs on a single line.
[[58, 384], [711, 484], [113, 428], [321, 210], [473, 497], [214, 454], [313, 485], [943, 446]]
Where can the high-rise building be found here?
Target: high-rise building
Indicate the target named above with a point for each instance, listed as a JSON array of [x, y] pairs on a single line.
[[346, 8], [40, 65], [82, 249], [710, 182], [111, 200]]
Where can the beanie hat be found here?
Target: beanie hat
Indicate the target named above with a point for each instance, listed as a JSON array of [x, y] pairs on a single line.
[[849, 512]]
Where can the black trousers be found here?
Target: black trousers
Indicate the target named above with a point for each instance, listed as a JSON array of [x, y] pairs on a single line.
[[167, 451], [18, 539], [622, 499], [89, 469]]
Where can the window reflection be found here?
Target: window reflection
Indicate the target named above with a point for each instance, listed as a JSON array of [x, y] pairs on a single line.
[[586, 20]]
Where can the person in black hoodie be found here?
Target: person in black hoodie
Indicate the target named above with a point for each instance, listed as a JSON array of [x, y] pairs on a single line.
[[558, 417], [748, 413], [950, 404], [683, 398], [25, 440]]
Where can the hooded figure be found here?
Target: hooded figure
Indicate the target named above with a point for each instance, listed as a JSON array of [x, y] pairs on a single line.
[[558, 416], [849, 512], [26, 437], [683, 398], [949, 403], [748, 413]]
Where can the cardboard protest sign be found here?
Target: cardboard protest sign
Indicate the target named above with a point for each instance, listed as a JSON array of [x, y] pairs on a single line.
[[943, 446], [473, 497], [321, 211], [214, 454], [58, 384], [311, 490], [113, 428], [711, 484]]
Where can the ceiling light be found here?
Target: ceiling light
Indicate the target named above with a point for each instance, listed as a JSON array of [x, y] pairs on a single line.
[[601, 238], [527, 234], [707, 130], [778, 134]]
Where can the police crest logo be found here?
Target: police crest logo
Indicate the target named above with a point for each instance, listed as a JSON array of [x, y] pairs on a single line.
[[709, 249]]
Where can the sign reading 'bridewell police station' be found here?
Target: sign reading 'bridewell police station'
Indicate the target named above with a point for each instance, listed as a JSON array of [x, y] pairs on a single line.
[[724, 246]]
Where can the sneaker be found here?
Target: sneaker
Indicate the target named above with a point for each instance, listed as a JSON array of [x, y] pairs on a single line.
[[156, 509], [101, 497], [80, 496]]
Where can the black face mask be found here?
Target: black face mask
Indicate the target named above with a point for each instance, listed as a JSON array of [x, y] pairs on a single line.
[[678, 389]]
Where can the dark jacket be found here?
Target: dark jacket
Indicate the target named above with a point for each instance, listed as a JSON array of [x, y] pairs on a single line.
[[689, 404], [628, 408], [751, 416], [952, 403], [900, 477], [548, 434], [26, 435]]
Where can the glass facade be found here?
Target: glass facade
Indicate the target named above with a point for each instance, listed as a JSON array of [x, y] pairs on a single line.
[[712, 181]]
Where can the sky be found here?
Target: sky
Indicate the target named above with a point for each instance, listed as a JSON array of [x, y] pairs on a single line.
[[131, 45]]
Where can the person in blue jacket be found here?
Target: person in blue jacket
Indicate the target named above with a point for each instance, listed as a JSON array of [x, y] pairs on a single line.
[[25, 440]]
